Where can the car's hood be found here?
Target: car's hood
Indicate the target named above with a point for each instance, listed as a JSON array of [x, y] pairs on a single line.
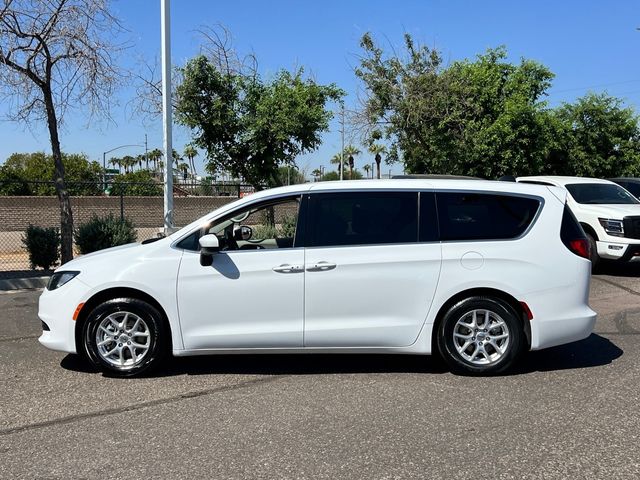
[[79, 262], [611, 211]]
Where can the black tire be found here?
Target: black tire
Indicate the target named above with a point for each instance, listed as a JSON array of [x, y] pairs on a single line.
[[463, 310], [155, 348], [596, 261]]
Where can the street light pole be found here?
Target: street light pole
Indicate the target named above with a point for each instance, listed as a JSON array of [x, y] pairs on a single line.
[[342, 152], [166, 115]]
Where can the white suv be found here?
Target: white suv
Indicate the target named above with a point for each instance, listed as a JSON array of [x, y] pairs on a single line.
[[609, 215], [477, 271]]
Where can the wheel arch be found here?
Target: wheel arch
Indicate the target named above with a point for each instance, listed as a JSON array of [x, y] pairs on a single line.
[[589, 230], [485, 292], [118, 292]]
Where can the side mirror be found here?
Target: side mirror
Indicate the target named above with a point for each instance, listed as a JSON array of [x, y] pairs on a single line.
[[242, 232], [209, 245]]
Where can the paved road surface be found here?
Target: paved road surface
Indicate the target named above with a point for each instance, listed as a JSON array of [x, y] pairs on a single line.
[[571, 411]]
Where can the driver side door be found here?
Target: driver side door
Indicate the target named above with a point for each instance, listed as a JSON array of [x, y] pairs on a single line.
[[252, 294]]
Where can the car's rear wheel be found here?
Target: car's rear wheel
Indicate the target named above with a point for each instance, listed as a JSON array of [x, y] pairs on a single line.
[[125, 337], [480, 336]]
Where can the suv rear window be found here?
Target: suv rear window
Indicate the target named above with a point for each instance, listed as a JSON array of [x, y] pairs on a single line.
[[363, 218], [484, 216]]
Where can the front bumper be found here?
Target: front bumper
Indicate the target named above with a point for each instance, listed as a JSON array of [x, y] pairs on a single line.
[[56, 309], [623, 252]]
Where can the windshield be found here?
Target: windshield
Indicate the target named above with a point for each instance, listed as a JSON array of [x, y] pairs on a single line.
[[600, 193]]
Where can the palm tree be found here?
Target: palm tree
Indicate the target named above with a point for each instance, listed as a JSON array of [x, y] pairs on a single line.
[[128, 162], [377, 150], [116, 162], [141, 158], [350, 151], [184, 168], [190, 152], [367, 168], [317, 173], [155, 155], [337, 159]]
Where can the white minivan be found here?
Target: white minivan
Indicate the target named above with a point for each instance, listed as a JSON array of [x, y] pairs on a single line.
[[476, 271]]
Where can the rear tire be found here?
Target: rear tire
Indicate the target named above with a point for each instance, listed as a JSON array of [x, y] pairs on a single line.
[[125, 337], [481, 336]]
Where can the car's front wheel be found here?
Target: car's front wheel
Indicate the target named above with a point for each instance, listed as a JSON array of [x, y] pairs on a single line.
[[481, 336], [593, 254], [124, 337]]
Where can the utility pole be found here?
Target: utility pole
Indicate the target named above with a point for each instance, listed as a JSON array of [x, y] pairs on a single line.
[[165, 21], [342, 152], [146, 152]]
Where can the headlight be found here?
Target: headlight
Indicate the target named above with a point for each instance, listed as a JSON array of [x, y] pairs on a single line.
[[612, 227], [58, 279]]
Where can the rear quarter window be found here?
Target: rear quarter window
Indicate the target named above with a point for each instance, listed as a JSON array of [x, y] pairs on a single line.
[[484, 216]]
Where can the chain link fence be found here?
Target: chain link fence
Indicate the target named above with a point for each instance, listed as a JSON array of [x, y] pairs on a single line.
[[24, 203]]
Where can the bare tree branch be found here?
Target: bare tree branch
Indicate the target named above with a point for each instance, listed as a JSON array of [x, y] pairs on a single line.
[[55, 56]]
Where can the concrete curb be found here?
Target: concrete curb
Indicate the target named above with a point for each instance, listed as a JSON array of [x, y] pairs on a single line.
[[23, 283]]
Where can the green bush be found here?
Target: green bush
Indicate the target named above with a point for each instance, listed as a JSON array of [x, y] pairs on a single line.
[[289, 223], [43, 245], [104, 232]]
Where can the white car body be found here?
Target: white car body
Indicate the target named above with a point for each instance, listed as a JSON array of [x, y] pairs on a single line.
[[374, 298], [611, 247]]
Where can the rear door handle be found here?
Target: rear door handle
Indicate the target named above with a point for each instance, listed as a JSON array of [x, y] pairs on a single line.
[[321, 267], [286, 268]]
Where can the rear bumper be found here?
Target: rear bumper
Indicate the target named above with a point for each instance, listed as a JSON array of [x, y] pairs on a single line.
[[547, 333]]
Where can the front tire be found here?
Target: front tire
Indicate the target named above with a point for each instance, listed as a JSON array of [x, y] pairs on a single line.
[[593, 254], [480, 336], [124, 337]]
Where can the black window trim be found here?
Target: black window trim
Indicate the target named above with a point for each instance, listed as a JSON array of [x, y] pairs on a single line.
[[305, 211]]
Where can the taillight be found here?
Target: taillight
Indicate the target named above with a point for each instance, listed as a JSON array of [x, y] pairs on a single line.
[[580, 247], [573, 236]]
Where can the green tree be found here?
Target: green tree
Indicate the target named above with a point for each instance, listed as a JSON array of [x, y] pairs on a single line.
[[484, 117], [596, 136], [286, 175], [367, 169], [140, 183], [31, 174], [331, 176], [249, 126]]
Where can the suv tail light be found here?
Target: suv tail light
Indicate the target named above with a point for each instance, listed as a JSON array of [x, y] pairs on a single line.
[[573, 236]]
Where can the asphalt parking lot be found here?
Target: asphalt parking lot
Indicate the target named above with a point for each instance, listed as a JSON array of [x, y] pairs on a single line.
[[571, 411]]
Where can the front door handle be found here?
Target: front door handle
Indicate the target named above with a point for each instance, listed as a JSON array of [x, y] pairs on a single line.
[[321, 267], [286, 268]]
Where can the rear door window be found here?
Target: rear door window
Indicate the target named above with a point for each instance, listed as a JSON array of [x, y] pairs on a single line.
[[484, 216], [363, 218]]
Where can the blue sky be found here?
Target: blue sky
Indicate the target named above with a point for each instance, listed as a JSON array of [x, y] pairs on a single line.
[[589, 45]]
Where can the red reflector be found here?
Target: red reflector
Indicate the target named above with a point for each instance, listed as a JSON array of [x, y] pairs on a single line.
[[527, 310], [580, 247]]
